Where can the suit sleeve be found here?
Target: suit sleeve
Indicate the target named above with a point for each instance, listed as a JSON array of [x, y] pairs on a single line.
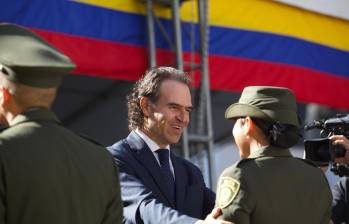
[[114, 210], [209, 201], [140, 205], [339, 204]]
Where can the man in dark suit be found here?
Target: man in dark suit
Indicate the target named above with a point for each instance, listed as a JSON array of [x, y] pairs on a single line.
[[158, 186], [48, 173]]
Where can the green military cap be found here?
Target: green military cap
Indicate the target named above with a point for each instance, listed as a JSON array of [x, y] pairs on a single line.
[[275, 104], [28, 59]]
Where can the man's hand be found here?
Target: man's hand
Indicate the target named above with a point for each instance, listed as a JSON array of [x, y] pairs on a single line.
[[212, 217], [341, 140]]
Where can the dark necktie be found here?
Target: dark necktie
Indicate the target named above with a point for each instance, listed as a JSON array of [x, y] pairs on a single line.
[[166, 171]]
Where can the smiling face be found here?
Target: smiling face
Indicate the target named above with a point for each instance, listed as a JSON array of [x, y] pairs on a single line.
[[166, 119]]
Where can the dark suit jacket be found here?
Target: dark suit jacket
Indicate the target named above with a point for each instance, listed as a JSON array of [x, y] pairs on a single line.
[[51, 175], [145, 196]]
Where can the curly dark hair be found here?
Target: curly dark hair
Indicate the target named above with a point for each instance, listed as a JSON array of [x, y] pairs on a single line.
[[149, 86]]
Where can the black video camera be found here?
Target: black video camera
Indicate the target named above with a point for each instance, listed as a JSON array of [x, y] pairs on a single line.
[[321, 151]]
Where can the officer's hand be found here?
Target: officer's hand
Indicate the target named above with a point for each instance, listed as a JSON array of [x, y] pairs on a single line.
[[212, 217], [341, 140]]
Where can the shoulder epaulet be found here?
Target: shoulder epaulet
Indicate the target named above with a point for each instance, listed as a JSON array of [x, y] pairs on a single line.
[[243, 161], [90, 139], [309, 162]]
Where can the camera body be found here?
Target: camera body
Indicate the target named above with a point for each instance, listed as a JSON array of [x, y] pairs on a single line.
[[321, 151]]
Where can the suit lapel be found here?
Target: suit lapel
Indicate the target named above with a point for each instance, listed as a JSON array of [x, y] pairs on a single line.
[[181, 181], [145, 156]]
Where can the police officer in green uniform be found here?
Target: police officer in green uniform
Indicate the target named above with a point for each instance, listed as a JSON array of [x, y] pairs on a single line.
[[268, 185], [48, 173]]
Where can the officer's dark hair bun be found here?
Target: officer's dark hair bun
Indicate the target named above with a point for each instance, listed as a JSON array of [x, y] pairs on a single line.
[[278, 134]]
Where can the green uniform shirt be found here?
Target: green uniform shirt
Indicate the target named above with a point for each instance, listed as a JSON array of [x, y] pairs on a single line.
[[50, 175], [272, 187]]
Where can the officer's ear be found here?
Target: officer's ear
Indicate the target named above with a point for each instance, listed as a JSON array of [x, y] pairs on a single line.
[[144, 103], [249, 126]]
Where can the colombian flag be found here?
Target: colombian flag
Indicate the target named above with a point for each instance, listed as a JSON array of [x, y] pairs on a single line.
[[251, 42]]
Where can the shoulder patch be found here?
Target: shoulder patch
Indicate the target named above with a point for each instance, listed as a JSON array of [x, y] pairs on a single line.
[[228, 188]]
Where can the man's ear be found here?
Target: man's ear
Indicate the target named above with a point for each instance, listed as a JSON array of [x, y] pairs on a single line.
[[5, 96], [145, 105]]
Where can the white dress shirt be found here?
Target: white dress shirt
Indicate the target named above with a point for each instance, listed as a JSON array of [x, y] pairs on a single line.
[[154, 147]]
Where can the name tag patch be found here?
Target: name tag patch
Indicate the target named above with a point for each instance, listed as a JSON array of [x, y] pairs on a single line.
[[228, 188]]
